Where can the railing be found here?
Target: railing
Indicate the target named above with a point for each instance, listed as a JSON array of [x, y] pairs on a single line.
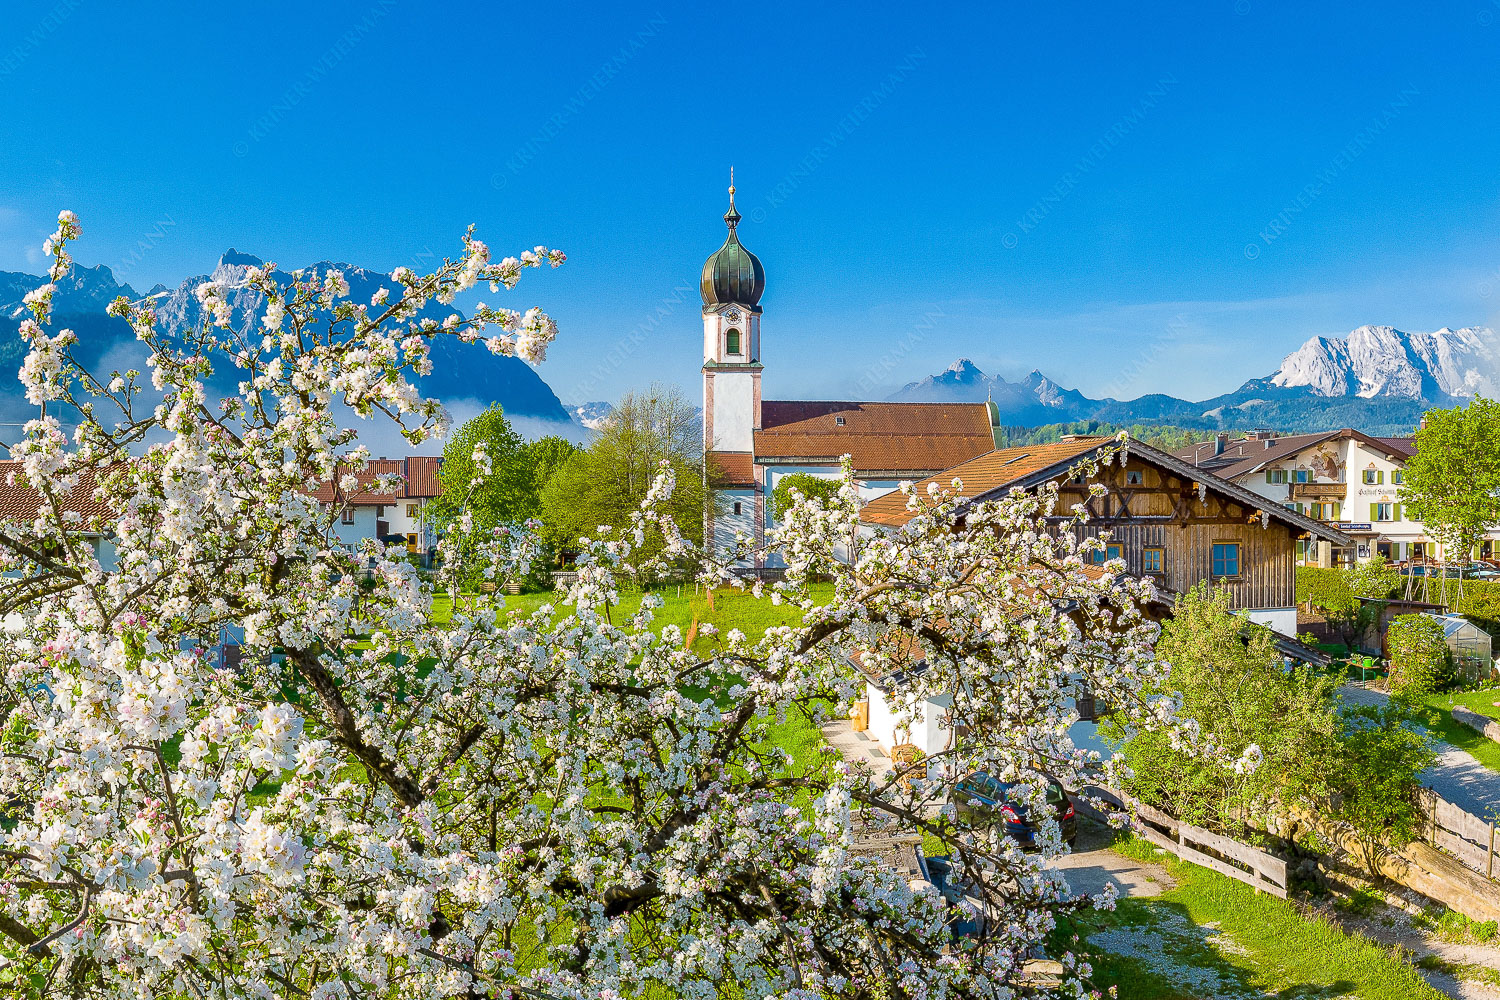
[[1250, 865], [1467, 837]]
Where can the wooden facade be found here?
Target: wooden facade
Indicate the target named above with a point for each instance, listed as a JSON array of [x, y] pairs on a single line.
[[1148, 507]]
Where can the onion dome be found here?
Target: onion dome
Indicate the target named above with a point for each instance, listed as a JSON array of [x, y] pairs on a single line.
[[733, 274]]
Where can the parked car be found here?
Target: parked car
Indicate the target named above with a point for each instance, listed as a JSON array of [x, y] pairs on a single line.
[[981, 800], [963, 901]]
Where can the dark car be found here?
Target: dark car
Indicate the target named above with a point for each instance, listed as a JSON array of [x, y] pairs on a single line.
[[981, 800]]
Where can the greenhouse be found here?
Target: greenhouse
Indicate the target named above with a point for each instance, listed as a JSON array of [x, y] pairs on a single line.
[[1470, 646]]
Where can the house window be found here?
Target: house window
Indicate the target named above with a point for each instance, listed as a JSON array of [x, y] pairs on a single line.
[[1152, 560], [1299, 475], [732, 342], [1384, 511], [1276, 477], [1134, 477], [1226, 559], [736, 506], [1373, 477], [348, 516], [1396, 476], [411, 510], [1110, 551], [838, 421]]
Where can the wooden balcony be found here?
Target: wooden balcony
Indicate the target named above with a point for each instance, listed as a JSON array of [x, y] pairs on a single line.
[[1319, 491]]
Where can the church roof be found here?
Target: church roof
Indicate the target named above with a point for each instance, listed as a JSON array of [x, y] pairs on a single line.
[[731, 468], [892, 438]]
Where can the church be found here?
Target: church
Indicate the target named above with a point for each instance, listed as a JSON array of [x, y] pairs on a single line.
[[750, 442]]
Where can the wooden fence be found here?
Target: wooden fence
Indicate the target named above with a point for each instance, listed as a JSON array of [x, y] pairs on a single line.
[[1462, 834], [1252, 866]]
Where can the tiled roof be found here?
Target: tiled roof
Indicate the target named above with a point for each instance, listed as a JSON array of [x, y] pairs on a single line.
[[731, 468], [19, 502], [1246, 454], [994, 475], [422, 476], [1249, 455], [879, 437], [420, 473], [1407, 446], [985, 474]]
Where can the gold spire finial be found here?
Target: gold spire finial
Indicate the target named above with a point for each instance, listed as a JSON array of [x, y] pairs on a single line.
[[731, 185]]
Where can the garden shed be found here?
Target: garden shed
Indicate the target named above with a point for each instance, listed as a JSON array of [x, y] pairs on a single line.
[[1470, 646]]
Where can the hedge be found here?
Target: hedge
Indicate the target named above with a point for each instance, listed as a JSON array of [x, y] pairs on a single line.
[[1480, 602]]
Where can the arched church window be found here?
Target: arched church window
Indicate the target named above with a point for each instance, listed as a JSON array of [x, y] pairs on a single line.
[[732, 342]]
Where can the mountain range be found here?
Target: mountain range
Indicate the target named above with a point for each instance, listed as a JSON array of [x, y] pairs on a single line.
[[1378, 379], [460, 371]]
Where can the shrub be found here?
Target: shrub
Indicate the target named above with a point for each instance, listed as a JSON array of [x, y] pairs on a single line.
[[1233, 683], [1378, 755], [1420, 663]]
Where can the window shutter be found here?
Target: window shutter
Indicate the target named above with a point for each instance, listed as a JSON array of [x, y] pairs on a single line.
[[1374, 511], [1396, 512], [1380, 477]]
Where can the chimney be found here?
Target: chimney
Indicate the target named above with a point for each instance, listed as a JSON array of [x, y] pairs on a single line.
[[1220, 440]]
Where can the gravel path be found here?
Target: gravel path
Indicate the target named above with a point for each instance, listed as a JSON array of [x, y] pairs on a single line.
[[1456, 775]]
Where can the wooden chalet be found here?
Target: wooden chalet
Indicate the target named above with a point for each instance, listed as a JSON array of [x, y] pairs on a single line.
[[1165, 517]]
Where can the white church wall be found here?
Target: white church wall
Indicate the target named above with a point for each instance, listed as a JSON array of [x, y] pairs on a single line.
[[734, 411], [728, 523]]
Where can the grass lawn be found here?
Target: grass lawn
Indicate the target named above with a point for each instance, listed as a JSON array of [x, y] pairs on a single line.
[[731, 608], [1486, 751], [1213, 936]]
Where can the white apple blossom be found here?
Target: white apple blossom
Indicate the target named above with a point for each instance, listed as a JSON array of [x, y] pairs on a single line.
[[374, 799]]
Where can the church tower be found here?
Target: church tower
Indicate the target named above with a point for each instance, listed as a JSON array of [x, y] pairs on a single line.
[[733, 281]]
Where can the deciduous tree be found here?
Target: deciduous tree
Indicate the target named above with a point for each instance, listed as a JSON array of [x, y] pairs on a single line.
[[381, 803], [1452, 483]]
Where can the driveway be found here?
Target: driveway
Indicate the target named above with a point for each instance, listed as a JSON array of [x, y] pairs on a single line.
[[1456, 775]]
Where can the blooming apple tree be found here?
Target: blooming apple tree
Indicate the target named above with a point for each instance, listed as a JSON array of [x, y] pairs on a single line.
[[372, 802]]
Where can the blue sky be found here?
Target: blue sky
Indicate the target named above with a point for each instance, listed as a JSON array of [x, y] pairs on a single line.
[[1152, 198]]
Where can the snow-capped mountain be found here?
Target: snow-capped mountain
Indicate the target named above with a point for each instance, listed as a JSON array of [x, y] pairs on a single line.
[[591, 415], [1383, 361], [1035, 398], [460, 371], [1378, 378]]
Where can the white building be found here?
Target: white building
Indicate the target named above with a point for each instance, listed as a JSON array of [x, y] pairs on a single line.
[[750, 443], [395, 516], [1345, 477]]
